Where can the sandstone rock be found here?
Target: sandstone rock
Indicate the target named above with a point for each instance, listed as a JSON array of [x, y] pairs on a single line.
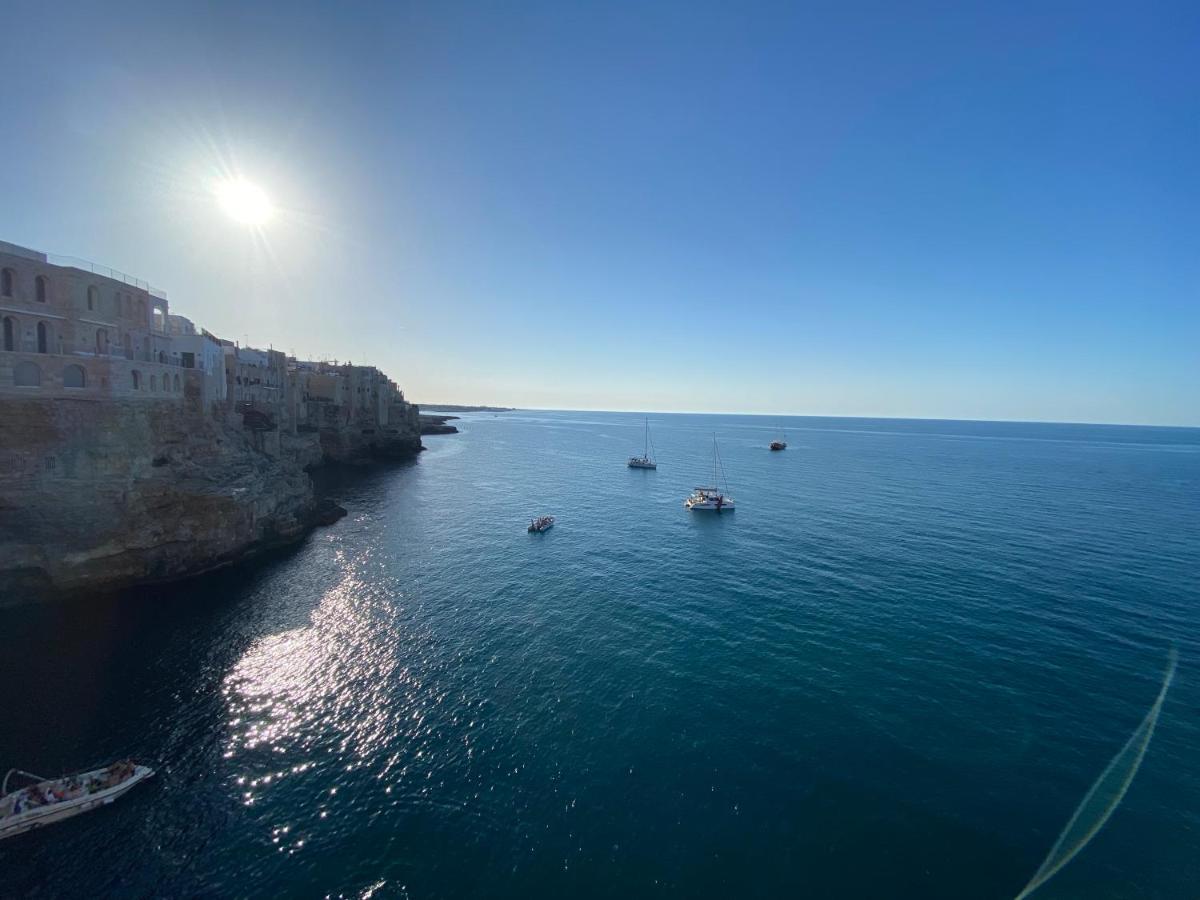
[[104, 494]]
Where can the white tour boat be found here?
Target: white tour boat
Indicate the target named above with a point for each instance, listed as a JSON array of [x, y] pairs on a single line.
[[49, 800], [712, 499], [645, 461]]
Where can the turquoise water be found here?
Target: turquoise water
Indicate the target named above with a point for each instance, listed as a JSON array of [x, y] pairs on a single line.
[[893, 672]]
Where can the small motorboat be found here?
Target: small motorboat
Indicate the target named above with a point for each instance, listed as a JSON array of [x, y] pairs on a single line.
[[540, 524], [46, 800]]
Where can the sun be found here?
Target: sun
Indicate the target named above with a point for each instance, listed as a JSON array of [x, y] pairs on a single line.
[[244, 202]]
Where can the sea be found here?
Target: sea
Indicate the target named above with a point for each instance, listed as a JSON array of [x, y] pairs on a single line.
[[894, 671]]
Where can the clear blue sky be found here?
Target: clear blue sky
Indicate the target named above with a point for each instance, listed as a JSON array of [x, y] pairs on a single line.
[[904, 209]]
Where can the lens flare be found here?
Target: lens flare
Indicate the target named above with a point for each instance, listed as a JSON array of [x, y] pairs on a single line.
[[1105, 794]]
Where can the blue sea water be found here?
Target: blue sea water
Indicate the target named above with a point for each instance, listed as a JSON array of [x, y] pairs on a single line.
[[893, 672]]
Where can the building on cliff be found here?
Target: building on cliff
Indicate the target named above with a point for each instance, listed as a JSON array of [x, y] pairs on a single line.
[[74, 329], [137, 446]]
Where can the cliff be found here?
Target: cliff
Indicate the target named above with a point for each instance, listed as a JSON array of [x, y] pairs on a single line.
[[100, 494], [437, 424], [135, 446]]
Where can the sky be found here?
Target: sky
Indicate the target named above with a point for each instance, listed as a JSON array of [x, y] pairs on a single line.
[[984, 211]]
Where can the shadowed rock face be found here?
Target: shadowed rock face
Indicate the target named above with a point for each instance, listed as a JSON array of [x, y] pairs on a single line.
[[100, 495], [437, 424]]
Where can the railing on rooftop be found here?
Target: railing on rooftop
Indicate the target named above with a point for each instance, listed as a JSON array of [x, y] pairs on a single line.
[[105, 271]]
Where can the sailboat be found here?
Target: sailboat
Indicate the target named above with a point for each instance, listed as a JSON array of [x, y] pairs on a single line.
[[779, 443], [712, 499], [645, 461]]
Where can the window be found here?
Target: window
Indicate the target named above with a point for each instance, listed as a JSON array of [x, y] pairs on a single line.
[[43, 338], [10, 334], [8, 280], [137, 379], [175, 383], [101, 342], [153, 383], [74, 377], [128, 342], [93, 296], [27, 374], [40, 288]]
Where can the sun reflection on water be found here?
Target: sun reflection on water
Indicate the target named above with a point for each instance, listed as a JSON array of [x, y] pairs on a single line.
[[332, 693]]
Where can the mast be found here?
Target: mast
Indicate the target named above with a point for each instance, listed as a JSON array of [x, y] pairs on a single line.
[[719, 469], [646, 443], [716, 464]]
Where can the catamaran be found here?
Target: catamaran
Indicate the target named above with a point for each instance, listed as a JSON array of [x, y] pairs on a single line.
[[46, 800], [645, 461], [712, 499]]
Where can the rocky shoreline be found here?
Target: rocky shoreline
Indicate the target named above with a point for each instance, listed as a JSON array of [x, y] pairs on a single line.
[[100, 497], [437, 424]]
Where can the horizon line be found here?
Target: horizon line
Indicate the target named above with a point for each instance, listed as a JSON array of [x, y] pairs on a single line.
[[684, 412]]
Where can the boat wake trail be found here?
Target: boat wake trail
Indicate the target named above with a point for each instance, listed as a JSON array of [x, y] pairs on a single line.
[[1105, 794]]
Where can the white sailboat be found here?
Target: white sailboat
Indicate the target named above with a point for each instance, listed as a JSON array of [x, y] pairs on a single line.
[[712, 499], [645, 461]]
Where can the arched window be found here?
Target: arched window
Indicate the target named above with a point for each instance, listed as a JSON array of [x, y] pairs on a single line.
[[93, 296], [137, 379], [153, 382], [10, 333], [146, 350], [162, 357], [141, 307], [8, 280], [102, 342], [40, 288], [175, 382], [43, 338], [27, 374], [74, 377], [128, 342]]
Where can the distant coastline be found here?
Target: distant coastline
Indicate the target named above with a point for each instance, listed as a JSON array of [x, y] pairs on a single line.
[[452, 407]]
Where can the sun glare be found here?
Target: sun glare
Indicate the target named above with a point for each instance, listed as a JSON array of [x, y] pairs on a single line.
[[244, 202]]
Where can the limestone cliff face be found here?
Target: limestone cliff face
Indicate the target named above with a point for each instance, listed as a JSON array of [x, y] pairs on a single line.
[[108, 494], [361, 441], [104, 494]]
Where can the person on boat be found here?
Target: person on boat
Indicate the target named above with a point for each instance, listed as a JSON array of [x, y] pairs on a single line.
[[117, 772]]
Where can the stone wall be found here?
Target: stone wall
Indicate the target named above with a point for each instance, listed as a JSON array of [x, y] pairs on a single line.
[[77, 376]]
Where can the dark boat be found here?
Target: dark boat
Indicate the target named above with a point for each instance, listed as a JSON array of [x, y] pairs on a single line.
[[778, 445], [540, 524]]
